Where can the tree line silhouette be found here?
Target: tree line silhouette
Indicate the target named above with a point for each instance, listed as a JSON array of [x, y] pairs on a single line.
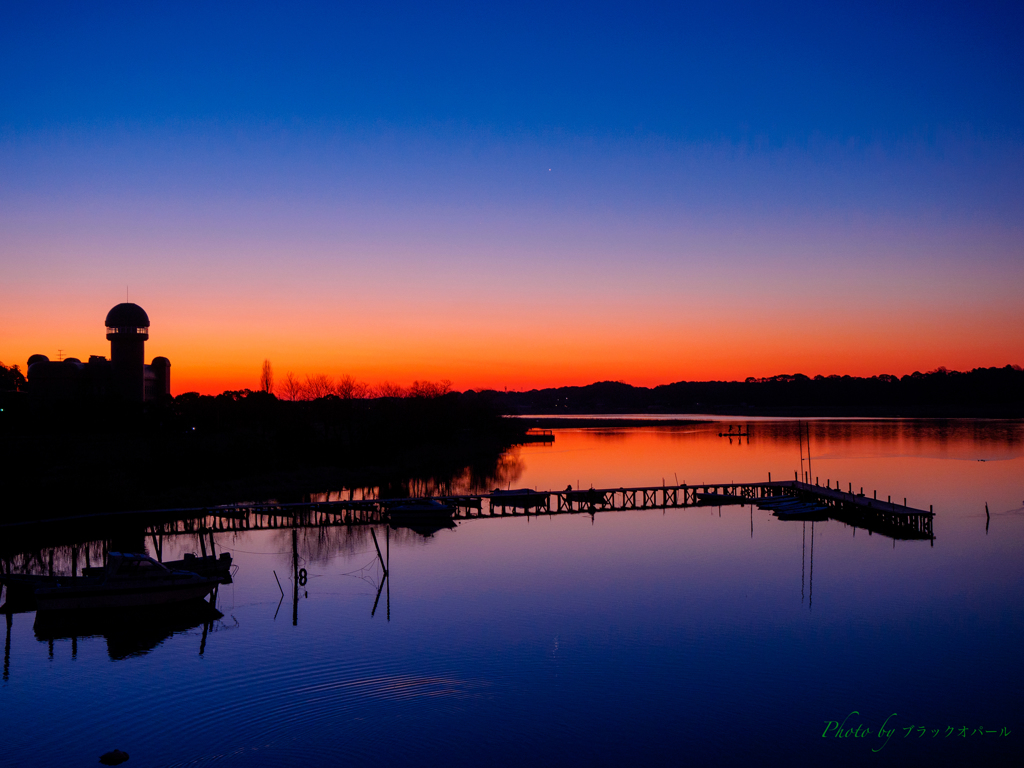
[[318, 385], [940, 392], [937, 393]]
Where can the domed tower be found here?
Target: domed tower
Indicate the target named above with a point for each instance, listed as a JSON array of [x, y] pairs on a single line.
[[127, 330]]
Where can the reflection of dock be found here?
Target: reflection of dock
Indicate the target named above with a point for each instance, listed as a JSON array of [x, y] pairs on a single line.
[[544, 436], [887, 518]]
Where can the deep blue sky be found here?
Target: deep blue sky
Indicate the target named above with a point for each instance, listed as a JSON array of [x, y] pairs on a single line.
[[702, 72], [825, 188]]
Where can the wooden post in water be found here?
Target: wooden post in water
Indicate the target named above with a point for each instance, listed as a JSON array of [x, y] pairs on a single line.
[[7, 648], [379, 556], [809, 470], [295, 578], [800, 442]]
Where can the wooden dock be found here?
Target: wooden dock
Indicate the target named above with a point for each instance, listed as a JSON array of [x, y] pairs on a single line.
[[24, 544], [887, 518]]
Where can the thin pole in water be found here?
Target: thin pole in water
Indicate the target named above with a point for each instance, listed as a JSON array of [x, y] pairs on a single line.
[[810, 580], [809, 470], [800, 443], [803, 559]]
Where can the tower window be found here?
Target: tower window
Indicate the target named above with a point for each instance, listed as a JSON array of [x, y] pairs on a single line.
[[137, 331]]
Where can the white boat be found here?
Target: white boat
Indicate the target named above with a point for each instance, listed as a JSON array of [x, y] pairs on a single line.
[[128, 581]]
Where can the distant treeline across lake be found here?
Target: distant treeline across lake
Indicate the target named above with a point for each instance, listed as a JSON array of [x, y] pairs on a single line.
[[983, 392]]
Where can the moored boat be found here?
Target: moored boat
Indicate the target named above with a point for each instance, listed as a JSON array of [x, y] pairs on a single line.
[[590, 497], [526, 498], [421, 509], [203, 565], [128, 581]]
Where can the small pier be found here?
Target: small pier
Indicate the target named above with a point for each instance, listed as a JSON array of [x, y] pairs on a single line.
[[888, 518], [884, 517]]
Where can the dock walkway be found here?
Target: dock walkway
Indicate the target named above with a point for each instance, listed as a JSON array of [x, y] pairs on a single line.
[[887, 518]]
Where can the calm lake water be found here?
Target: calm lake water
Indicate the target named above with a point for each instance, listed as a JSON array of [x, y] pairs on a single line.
[[698, 636]]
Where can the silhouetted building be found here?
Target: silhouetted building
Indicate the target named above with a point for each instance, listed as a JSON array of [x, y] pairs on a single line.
[[125, 376]]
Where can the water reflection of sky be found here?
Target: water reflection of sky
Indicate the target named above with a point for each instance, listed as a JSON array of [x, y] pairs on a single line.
[[699, 636]]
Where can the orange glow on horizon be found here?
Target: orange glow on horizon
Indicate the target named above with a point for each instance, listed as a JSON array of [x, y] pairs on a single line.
[[496, 340]]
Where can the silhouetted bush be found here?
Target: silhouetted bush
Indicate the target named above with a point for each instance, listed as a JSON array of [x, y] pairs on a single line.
[[11, 379]]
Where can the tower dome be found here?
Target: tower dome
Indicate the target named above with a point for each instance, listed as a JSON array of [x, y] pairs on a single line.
[[128, 316]]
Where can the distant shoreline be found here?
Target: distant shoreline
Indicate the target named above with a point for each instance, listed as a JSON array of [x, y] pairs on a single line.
[[981, 393], [608, 421], [605, 421]]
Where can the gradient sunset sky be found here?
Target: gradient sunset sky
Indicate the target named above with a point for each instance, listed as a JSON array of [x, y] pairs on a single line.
[[515, 195]]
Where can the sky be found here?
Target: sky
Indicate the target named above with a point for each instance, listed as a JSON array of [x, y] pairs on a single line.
[[515, 195]]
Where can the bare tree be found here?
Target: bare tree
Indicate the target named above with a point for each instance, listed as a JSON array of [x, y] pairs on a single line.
[[388, 389], [267, 378], [292, 387], [348, 388], [430, 388], [318, 385]]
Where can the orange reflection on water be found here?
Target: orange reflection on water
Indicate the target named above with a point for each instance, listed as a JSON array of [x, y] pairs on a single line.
[[955, 465]]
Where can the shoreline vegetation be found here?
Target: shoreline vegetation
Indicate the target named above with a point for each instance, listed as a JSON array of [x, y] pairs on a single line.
[[71, 459], [62, 459], [980, 393]]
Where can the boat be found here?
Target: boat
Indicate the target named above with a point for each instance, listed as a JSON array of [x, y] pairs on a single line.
[[420, 509], [22, 587], [806, 516], [526, 498], [721, 499], [778, 502], [205, 565], [806, 512], [590, 498], [128, 581]]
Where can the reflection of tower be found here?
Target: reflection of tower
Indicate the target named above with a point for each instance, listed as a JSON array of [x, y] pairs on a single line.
[[127, 330]]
